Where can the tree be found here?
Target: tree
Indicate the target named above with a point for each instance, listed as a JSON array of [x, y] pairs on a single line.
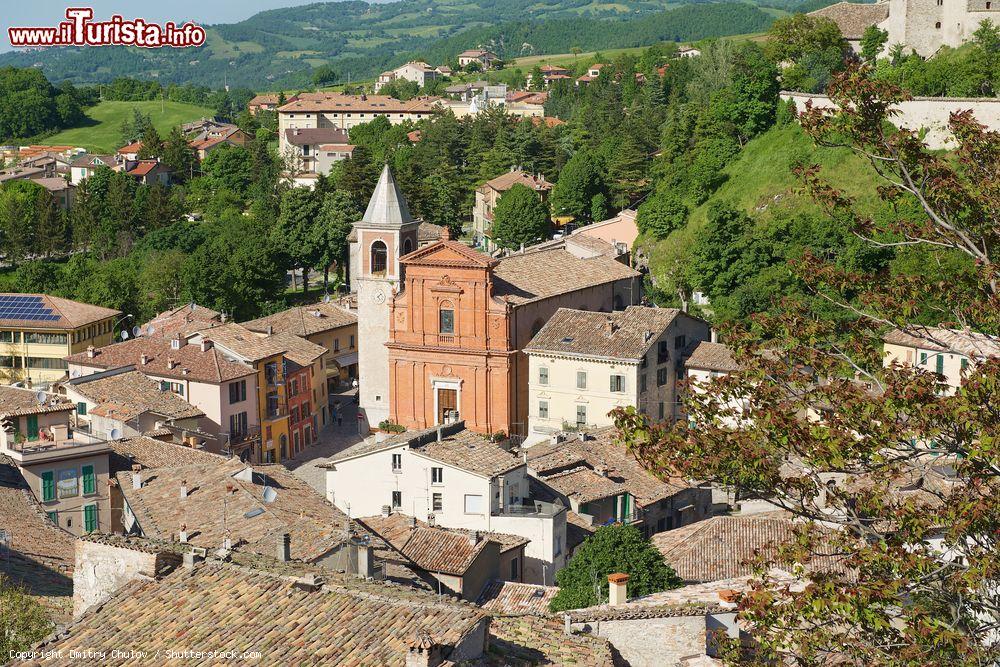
[[792, 37], [519, 218], [324, 75], [230, 167], [661, 214], [336, 217], [179, 156], [18, 202], [873, 40], [23, 620], [610, 550], [579, 181], [152, 144], [294, 230], [905, 466]]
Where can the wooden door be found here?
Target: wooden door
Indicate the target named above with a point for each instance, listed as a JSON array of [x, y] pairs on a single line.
[[447, 403]]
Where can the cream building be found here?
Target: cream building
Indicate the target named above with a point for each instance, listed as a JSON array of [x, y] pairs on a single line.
[[418, 72], [947, 352], [583, 364], [38, 331]]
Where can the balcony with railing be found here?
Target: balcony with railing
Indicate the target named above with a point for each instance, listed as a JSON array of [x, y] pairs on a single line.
[[55, 442]]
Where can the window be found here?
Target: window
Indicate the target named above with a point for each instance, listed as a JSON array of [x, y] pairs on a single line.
[[661, 410], [48, 486], [32, 427], [336, 345], [271, 372], [397, 499], [437, 475], [662, 355], [68, 485], [81, 409], [45, 338], [965, 364], [397, 462], [352, 341], [53, 517], [938, 25], [558, 549], [237, 391], [90, 518], [923, 358], [581, 379], [473, 504], [642, 382], [680, 342], [379, 258], [238, 424], [47, 364], [513, 569], [618, 383], [89, 480], [581, 415], [446, 321], [543, 409], [939, 364], [437, 502], [661, 377], [407, 246], [543, 375]]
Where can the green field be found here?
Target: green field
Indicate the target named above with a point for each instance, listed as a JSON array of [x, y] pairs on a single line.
[[102, 136]]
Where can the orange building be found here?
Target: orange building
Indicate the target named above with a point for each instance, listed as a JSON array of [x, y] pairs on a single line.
[[461, 318]]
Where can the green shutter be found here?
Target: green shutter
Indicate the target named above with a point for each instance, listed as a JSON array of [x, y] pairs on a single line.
[[89, 481], [48, 486], [940, 364], [53, 517], [90, 518], [32, 427], [81, 409]]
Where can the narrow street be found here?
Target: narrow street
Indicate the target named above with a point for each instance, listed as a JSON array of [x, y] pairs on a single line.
[[333, 438]]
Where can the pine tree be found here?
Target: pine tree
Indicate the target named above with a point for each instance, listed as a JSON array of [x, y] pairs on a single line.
[[178, 155]]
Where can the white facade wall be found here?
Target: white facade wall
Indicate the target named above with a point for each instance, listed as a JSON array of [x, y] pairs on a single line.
[[952, 364], [931, 113], [342, 119]]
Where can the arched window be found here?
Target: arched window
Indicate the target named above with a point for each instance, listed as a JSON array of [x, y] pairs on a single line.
[[938, 25], [407, 246], [446, 318], [380, 258]]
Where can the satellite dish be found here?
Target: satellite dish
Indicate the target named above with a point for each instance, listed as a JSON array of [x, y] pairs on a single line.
[[270, 495], [40, 397], [136, 331], [116, 433], [192, 306], [75, 374], [150, 330], [124, 335], [326, 298]]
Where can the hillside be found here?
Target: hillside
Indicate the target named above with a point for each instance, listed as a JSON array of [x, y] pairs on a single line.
[[280, 47], [101, 133]]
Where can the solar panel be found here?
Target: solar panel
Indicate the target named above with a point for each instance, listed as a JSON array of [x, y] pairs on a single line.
[[26, 308]]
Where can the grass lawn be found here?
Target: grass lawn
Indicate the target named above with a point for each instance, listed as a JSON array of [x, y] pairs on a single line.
[[101, 133]]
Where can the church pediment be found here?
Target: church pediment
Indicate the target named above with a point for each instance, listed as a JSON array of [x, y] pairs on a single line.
[[449, 253]]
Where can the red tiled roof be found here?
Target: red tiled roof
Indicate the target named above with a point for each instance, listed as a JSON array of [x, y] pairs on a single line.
[[71, 314], [143, 167], [134, 147], [188, 362]]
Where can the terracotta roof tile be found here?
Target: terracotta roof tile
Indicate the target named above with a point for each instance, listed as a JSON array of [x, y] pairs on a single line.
[[16, 402], [970, 343], [511, 598], [151, 453], [852, 18], [183, 319], [125, 396], [231, 608], [305, 320], [535, 275], [242, 341], [506, 181], [70, 314], [358, 103], [529, 640], [712, 357], [625, 334], [188, 362]]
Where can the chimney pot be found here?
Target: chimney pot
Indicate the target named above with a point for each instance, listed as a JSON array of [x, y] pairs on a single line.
[[91, 352], [136, 476], [183, 536], [617, 588], [431, 520], [184, 488], [206, 345], [412, 521], [386, 510], [284, 547], [144, 359], [714, 336]]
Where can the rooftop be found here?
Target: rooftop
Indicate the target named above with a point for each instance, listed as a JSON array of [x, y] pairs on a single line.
[[188, 362], [321, 135], [512, 598], [541, 274], [528, 640], [513, 177], [232, 608], [243, 342], [626, 334], [298, 349], [305, 320], [970, 343], [852, 18], [15, 402], [41, 311], [340, 102], [150, 453], [459, 447], [607, 459], [712, 357], [183, 319], [125, 396], [221, 497], [387, 206]]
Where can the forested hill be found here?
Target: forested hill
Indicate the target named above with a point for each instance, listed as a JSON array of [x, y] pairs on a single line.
[[281, 47]]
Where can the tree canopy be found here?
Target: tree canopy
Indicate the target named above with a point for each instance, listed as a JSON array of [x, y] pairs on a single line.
[[519, 218]]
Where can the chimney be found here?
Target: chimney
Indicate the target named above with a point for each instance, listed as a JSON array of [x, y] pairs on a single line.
[[136, 476], [386, 510], [144, 359], [714, 336], [91, 352], [445, 234], [170, 364], [412, 521], [230, 488], [612, 327], [193, 557], [431, 520], [440, 435], [270, 330], [182, 537], [646, 335], [206, 345], [617, 588], [284, 547], [474, 537], [184, 489], [423, 651], [60, 432], [177, 342], [366, 561]]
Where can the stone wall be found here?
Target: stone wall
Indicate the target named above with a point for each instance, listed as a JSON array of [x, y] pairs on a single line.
[[102, 568], [653, 642], [930, 113]]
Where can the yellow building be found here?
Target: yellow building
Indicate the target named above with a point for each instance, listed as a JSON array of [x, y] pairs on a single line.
[[38, 331]]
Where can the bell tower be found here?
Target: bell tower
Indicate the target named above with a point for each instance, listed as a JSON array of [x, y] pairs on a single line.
[[385, 233]]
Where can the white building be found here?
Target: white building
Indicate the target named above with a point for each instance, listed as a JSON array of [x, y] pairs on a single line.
[[583, 364], [457, 479], [947, 352], [418, 72]]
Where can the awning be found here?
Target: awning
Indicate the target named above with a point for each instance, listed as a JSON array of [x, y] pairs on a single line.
[[347, 359]]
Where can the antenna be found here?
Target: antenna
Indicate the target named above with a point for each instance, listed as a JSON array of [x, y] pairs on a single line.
[[116, 433]]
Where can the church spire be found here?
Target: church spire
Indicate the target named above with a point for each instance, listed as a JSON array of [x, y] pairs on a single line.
[[387, 206]]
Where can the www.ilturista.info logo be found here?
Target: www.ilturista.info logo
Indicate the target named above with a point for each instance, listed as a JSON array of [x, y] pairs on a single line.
[[80, 30]]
